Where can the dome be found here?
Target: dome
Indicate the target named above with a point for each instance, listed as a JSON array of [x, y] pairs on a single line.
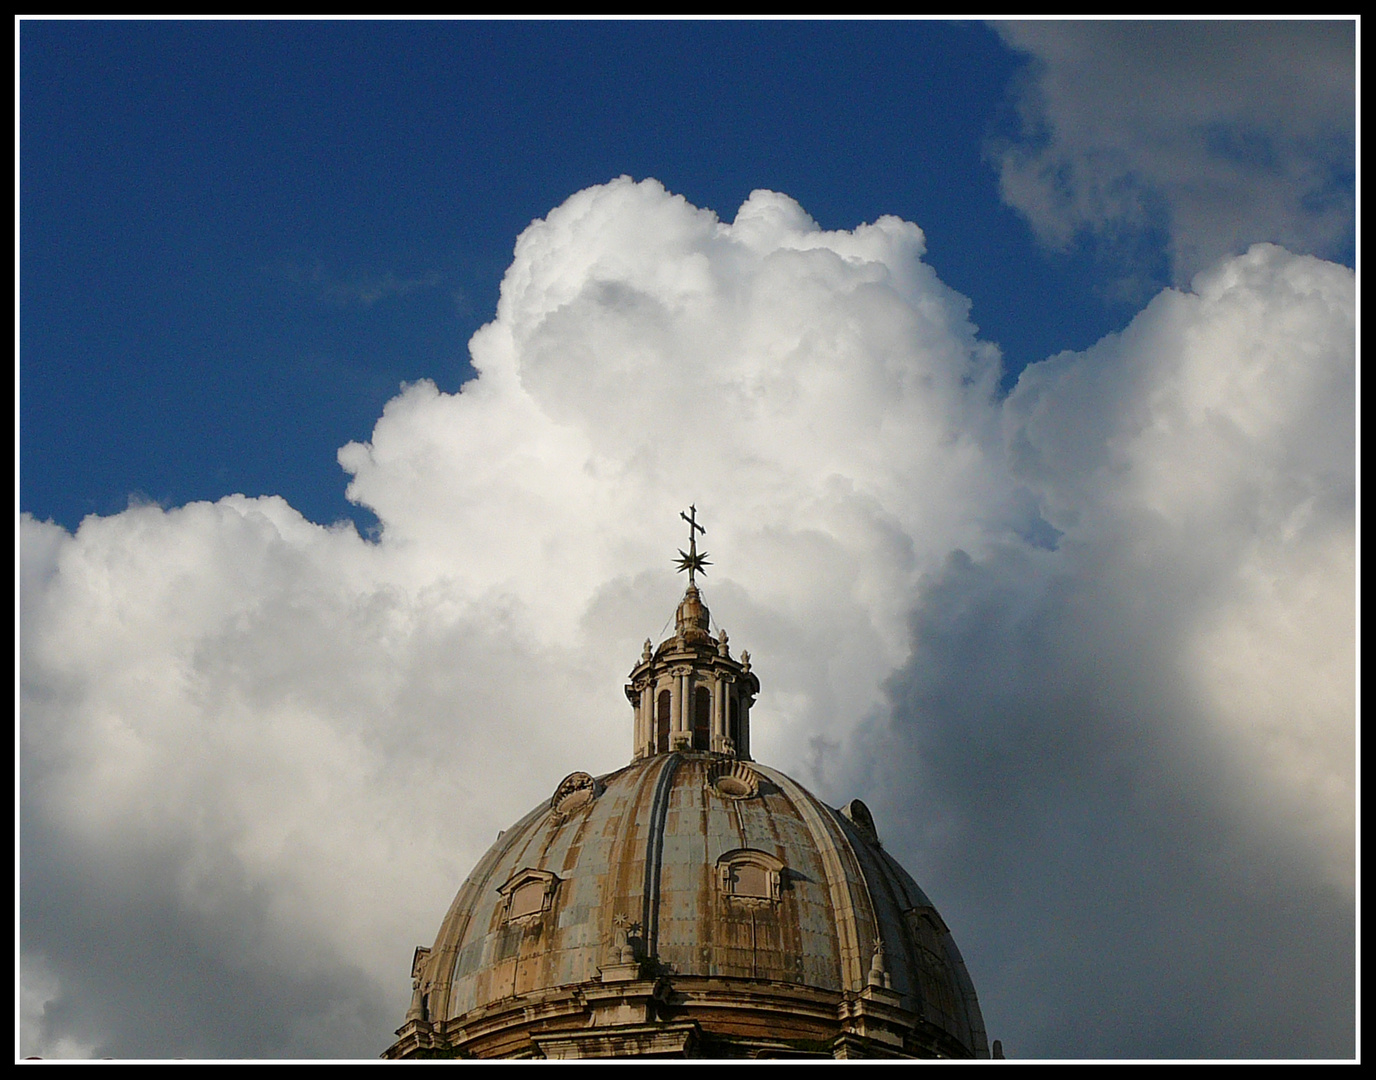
[[693, 903]]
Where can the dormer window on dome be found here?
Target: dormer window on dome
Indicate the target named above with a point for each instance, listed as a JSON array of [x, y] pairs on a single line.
[[528, 893], [748, 874], [689, 694]]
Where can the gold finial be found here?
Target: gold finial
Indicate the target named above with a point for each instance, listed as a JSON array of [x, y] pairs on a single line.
[[691, 560]]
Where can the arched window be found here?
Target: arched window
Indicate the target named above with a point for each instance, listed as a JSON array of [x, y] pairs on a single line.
[[750, 875], [733, 723], [702, 719], [662, 723]]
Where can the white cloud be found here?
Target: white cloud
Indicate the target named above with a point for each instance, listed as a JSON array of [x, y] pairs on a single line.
[[1219, 134], [1160, 712], [1220, 481], [296, 743]]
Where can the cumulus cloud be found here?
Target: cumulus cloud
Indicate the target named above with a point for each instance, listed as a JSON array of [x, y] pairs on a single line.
[[260, 755], [1148, 732], [1215, 135]]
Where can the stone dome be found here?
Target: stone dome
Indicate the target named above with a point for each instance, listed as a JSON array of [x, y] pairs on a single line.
[[693, 903], [688, 904]]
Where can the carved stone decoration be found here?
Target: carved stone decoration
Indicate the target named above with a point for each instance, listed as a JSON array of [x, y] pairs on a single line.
[[574, 792], [879, 968], [418, 961], [734, 779], [858, 814], [623, 951], [623, 961], [418, 1009]]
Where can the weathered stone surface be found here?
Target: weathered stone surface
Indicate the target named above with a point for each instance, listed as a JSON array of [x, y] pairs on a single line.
[[691, 905]]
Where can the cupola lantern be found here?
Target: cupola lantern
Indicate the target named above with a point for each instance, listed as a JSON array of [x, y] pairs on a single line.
[[689, 694]]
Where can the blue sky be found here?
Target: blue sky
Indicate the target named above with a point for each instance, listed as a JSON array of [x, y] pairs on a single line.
[[365, 367], [239, 239]]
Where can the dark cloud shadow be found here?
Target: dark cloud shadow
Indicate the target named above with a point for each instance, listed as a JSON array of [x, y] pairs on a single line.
[[142, 975], [1048, 784]]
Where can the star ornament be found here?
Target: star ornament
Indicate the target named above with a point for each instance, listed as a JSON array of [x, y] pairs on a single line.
[[692, 563]]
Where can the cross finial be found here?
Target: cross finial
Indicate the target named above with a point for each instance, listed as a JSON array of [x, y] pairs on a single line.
[[693, 525], [690, 560]]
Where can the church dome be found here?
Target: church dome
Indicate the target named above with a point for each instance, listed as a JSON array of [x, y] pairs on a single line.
[[693, 903]]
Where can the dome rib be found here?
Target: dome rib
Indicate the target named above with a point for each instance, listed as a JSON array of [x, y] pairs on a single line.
[[511, 978], [456, 921], [851, 938], [654, 853]]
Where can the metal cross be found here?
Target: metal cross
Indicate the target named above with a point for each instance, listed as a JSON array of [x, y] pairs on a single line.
[[691, 560], [693, 525]]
